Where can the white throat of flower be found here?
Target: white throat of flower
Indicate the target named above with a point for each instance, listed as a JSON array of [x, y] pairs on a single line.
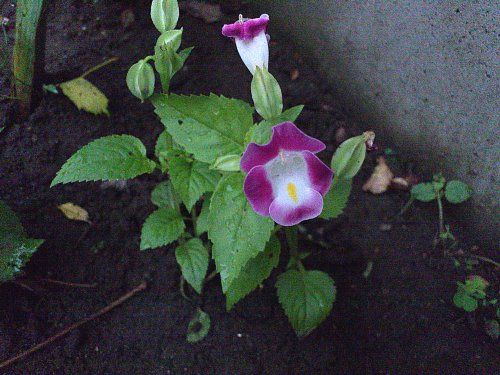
[[289, 178]]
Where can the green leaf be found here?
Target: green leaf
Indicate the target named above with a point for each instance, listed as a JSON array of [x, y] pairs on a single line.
[[164, 195], [50, 88], [165, 149], [254, 273], [202, 222], [192, 256], [266, 94], [206, 126], [336, 199], [116, 157], [261, 133], [492, 328], [349, 157], [457, 192], [465, 301], [423, 192], [191, 179], [198, 327], [238, 234], [307, 298], [85, 96], [162, 227], [15, 246]]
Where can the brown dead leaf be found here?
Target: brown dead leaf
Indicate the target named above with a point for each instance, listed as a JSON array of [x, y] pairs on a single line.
[[340, 135], [380, 179], [74, 212], [399, 183], [294, 74]]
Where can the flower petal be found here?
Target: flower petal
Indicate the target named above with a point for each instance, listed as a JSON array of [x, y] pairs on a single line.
[[286, 136], [258, 190], [254, 52], [247, 29], [320, 176], [287, 214]]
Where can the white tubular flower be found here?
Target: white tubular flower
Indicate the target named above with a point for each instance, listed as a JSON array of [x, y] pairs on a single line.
[[251, 40]]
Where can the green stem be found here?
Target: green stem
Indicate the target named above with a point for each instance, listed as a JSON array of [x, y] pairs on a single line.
[[406, 206], [441, 215], [99, 66], [292, 239], [487, 260]]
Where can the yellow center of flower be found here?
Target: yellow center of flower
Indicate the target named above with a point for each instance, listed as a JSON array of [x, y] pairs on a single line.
[[292, 192]]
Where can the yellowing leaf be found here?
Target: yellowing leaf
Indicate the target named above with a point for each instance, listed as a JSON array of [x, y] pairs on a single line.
[[85, 96], [74, 212]]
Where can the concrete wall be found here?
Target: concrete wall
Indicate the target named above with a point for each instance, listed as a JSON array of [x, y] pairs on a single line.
[[425, 73]]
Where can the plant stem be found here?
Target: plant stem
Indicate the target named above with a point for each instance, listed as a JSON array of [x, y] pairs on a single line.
[[76, 325], [441, 215], [292, 239], [7, 97], [99, 66], [487, 260], [406, 206]]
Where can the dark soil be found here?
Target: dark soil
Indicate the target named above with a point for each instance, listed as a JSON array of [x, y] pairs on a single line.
[[400, 319]]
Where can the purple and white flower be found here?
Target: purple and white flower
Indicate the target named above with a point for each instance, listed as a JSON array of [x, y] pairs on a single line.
[[285, 179], [251, 40]]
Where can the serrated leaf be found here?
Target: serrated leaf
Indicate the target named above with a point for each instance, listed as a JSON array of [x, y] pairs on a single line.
[[162, 227], [74, 212], [164, 195], [15, 246], [238, 234], [336, 199], [192, 256], [261, 133], [115, 157], [254, 273], [206, 126], [349, 157], [198, 327], [191, 179], [464, 301], [423, 192], [85, 96], [307, 298], [165, 149], [202, 221], [457, 192]]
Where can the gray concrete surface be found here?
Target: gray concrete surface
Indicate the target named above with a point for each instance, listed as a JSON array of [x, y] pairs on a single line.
[[423, 73]]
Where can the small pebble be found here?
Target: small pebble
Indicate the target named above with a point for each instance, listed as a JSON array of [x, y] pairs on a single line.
[[385, 227]]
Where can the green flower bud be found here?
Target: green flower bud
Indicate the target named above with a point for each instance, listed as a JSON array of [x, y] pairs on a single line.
[[266, 94], [170, 38], [227, 163], [141, 80], [164, 14], [350, 155]]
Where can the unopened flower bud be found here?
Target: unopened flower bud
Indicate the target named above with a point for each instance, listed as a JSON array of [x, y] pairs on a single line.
[[227, 163], [164, 14], [141, 80], [266, 94]]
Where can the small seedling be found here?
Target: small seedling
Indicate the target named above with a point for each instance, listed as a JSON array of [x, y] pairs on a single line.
[[468, 295], [16, 247], [454, 192]]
